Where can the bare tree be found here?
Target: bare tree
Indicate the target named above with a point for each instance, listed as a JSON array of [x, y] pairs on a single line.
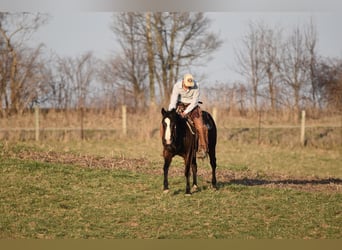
[[110, 96], [249, 59], [63, 85], [150, 59], [310, 44], [84, 74], [131, 69], [329, 75], [4, 70], [170, 42], [32, 83], [182, 40], [74, 77], [294, 68], [15, 30], [269, 59]]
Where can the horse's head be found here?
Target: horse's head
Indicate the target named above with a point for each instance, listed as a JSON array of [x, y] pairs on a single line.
[[169, 126]]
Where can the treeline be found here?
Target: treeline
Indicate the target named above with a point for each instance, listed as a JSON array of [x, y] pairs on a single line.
[[281, 70]]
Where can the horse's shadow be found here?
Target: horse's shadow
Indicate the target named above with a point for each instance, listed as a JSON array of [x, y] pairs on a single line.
[[262, 182]]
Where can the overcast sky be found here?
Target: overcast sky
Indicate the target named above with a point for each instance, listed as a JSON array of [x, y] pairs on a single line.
[[72, 31]]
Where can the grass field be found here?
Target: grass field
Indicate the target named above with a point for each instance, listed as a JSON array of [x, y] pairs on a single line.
[[113, 190]]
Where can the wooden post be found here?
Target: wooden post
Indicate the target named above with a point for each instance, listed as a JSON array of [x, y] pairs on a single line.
[[82, 122], [124, 119], [215, 115], [302, 129], [259, 128], [36, 116]]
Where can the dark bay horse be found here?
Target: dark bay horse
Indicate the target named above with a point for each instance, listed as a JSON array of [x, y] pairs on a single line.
[[179, 137]]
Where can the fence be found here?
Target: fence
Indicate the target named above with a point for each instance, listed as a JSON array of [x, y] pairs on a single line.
[[147, 126]]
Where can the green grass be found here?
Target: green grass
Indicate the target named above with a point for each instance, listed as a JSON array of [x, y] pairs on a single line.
[[293, 161], [56, 201], [52, 201]]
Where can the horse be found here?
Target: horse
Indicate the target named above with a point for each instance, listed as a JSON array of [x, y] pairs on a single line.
[[179, 137]]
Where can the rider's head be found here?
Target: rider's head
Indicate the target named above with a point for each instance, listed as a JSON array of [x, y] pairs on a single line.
[[188, 80]]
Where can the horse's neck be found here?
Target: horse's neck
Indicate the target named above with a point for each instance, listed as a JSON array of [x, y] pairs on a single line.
[[181, 128]]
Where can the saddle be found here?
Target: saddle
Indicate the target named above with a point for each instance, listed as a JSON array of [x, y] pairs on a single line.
[[189, 122], [180, 109]]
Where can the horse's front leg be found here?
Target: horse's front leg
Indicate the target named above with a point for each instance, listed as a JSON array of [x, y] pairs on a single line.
[[187, 177], [167, 162], [194, 174]]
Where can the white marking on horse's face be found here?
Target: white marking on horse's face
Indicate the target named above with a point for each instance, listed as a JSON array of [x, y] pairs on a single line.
[[167, 135]]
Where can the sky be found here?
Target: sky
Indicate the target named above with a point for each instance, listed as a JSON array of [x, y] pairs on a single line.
[[232, 26], [74, 31]]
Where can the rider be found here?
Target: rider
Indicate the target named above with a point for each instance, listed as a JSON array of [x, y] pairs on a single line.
[[187, 92]]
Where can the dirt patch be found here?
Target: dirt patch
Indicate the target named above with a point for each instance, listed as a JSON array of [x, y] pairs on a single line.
[[136, 165], [224, 177]]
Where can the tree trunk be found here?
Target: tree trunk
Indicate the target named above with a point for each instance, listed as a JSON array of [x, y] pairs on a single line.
[[150, 59]]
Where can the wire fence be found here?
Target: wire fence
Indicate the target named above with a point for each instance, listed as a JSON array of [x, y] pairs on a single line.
[[133, 126]]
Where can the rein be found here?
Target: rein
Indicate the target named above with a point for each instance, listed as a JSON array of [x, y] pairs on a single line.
[[190, 126]]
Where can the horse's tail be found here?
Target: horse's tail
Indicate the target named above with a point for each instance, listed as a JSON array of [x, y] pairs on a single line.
[[208, 120]]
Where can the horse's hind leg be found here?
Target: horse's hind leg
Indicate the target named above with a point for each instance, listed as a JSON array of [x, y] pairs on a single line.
[[212, 139], [212, 156]]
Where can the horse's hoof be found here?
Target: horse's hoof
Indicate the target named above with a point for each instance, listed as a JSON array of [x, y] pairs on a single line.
[[166, 191], [194, 188], [187, 194]]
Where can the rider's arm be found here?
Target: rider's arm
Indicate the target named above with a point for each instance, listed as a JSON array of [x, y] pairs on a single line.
[[194, 101], [174, 98]]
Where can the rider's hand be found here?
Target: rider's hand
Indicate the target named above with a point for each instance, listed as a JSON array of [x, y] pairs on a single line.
[[183, 115]]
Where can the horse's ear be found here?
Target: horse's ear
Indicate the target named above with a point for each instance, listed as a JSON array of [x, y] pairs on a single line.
[[163, 111]]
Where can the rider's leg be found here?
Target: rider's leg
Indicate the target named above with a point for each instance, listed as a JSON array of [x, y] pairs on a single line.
[[196, 116]]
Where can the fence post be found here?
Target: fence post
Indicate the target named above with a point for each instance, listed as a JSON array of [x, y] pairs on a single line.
[[124, 119], [215, 115], [259, 127], [36, 116], [302, 129]]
